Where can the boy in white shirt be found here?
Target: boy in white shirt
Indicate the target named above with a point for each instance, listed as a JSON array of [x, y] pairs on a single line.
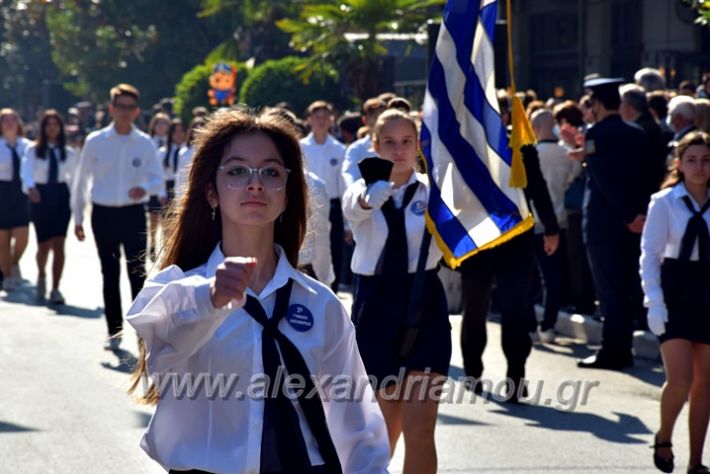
[[324, 157], [122, 163]]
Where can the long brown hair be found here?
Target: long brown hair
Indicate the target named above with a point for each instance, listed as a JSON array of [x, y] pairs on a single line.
[[42, 140], [693, 138], [191, 234]]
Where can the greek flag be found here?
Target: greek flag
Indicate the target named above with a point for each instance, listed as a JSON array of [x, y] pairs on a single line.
[[471, 206]]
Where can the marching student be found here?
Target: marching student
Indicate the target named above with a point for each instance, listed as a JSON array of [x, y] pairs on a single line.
[[185, 156], [159, 131], [324, 157], [387, 219], [362, 148], [169, 156], [230, 262], [47, 169], [14, 206], [122, 164], [675, 274], [314, 257]]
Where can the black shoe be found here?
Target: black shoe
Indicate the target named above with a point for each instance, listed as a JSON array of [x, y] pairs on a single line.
[[608, 363], [515, 389], [474, 385], [699, 469], [662, 464]]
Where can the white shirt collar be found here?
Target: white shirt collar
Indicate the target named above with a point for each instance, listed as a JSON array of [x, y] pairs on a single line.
[[111, 130], [679, 191], [311, 140], [284, 271]]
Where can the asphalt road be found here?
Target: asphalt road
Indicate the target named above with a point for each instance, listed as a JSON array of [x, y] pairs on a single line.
[[63, 406]]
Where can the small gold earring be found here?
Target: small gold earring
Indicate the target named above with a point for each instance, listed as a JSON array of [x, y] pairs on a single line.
[[214, 213]]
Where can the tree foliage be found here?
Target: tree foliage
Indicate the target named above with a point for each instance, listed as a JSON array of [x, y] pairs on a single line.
[[255, 34], [25, 62], [148, 43], [320, 30], [280, 81], [192, 89], [703, 8]]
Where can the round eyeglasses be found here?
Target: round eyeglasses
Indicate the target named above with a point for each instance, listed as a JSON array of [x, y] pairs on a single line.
[[273, 177]]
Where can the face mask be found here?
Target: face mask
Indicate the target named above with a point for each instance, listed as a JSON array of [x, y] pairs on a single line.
[[556, 131]]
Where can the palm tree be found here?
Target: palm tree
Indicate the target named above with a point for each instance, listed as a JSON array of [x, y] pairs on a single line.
[[320, 30]]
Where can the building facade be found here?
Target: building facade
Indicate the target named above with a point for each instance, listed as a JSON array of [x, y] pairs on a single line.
[[558, 42]]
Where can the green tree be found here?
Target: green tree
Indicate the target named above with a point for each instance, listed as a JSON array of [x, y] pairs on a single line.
[[192, 89], [27, 68], [320, 30], [148, 43], [280, 81], [703, 7], [255, 34]]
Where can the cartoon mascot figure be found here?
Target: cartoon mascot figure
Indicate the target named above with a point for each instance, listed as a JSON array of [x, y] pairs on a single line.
[[222, 82]]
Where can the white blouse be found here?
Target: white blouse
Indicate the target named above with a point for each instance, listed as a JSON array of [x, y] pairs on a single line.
[[370, 230], [186, 336], [315, 249], [35, 171], [663, 231], [21, 145]]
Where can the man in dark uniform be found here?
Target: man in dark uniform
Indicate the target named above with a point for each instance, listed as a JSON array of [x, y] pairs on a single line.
[[513, 265], [614, 204]]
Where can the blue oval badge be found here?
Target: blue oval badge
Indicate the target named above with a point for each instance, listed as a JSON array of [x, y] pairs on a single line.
[[418, 208], [299, 317], [136, 162], [333, 161]]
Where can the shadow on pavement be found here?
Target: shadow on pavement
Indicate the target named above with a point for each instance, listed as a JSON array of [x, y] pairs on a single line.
[[648, 371], [614, 431], [565, 347], [457, 420], [23, 295], [141, 419], [125, 361], [69, 310], [13, 428]]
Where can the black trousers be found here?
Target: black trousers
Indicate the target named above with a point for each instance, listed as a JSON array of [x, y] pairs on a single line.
[[554, 276], [337, 240], [580, 276], [615, 270], [114, 227], [512, 265]]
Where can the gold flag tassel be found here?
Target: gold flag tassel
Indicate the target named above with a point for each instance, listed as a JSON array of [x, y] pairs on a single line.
[[522, 132]]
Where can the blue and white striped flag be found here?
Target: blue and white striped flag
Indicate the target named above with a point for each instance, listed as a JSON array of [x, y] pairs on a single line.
[[471, 205]]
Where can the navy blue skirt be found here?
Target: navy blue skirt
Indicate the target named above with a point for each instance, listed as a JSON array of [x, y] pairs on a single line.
[[51, 215], [14, 206], [380, 315], [686, 292]]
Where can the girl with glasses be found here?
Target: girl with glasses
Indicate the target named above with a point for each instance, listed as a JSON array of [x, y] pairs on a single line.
[[230, 304]]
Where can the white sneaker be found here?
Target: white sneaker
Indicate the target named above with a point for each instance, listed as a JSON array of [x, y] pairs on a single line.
[[112, 343], [55, 297], [41, 288], [547, 336]]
